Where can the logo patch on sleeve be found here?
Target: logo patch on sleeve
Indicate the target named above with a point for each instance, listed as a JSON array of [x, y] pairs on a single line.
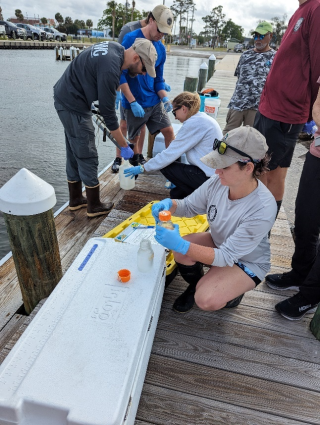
[[298, 25]]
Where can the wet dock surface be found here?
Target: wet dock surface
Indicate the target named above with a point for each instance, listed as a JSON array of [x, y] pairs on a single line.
[[245, 365]]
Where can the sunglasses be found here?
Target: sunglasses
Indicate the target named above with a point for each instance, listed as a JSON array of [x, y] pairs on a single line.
[[222, 147], [143, 66], [175, 110], [259, 36]]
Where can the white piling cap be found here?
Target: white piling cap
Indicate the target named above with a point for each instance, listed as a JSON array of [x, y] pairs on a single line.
[[26, 194], [203, 66], [212, 58]]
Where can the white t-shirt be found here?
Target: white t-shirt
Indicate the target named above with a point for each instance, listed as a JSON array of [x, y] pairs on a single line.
[[238, 228], [195, 138]]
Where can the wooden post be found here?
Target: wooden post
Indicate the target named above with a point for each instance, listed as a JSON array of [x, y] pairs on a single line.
[[315, 324], [190, 84], [212, 65], [57, 53], [151, 138], [203, 72], [27, 202]]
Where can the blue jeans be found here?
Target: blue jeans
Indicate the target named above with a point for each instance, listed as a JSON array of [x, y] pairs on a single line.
[[82, 156]]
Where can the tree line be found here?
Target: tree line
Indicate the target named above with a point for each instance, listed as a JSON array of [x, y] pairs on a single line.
[[216, 27], [69, 26]]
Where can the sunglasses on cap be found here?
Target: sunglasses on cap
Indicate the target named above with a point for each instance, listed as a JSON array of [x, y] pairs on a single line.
[[143, 66], [175, 110], [222, 147], [257, 36]]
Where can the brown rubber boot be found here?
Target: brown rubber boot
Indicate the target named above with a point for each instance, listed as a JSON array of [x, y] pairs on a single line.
[[95, 206], [76, 199]]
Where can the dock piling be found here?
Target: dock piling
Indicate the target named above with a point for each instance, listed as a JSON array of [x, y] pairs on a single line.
[[26, 202], [212, 65], [190, 84], [203, 72]]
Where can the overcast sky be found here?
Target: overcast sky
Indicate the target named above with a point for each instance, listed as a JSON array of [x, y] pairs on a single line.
[[245, 13]]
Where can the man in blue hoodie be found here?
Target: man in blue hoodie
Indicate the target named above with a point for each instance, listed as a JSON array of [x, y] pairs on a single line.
[[144, 98]]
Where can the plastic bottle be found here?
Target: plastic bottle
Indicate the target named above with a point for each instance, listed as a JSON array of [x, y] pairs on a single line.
[[165, 220], [145, 256], [126, 183]]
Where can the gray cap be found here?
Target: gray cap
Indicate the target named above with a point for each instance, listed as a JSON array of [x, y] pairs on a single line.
[[146, 50], [246, 139]]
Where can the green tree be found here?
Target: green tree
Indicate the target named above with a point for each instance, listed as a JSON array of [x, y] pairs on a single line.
[[89, 23], [19, 15], [68, 21], [44, 21], [180, 8], [215, 23], [1, 16], [231, 30], [280, 26], [58, 17], [132, 10], [115, 16]]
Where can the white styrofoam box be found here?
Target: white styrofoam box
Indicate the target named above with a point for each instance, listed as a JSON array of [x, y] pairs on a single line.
[[159, 145], [82, 360]]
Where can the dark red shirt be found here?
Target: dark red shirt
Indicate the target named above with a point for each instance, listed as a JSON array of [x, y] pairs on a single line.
[[291, 87]]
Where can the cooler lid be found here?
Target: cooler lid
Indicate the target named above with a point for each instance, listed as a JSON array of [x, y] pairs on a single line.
[[76, 362]]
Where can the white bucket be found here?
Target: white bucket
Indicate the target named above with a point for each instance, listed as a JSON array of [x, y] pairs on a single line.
[[211, 106]]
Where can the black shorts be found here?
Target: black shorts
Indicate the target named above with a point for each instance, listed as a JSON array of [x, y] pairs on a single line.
[[281, 139], [248, 272]]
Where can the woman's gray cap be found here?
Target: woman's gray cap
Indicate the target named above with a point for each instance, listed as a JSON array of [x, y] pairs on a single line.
[[146, 50], [246, 139]]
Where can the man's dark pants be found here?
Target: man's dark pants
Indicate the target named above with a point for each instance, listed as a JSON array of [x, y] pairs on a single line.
[[187, 178], [82, 156], [306, 258]]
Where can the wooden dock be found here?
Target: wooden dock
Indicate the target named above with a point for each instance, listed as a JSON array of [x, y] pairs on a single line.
[[245, 365]]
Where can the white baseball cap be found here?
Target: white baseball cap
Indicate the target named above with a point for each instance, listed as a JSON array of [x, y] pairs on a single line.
[[246, 139], [164, 18]]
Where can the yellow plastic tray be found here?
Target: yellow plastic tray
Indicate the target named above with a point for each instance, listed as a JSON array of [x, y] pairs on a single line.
[[144, 216]]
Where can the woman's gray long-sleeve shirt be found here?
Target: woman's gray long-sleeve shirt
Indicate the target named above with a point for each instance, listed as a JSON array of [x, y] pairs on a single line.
[[195, 138], [238, 228]]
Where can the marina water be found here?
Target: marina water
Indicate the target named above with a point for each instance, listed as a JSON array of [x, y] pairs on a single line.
[[31, 135]]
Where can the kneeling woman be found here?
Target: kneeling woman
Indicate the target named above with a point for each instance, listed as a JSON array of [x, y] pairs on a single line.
[[240, 212], [194, 139]]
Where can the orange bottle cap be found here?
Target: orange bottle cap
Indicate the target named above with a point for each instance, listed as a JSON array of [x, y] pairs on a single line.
[[124, 275], [165, 216]]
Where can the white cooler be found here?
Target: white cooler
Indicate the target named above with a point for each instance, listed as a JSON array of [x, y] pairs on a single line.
[[83, 359], [159, 145]]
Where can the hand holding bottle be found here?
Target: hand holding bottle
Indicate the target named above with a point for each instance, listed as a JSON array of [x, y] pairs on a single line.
[[171, 239], [165, 204]]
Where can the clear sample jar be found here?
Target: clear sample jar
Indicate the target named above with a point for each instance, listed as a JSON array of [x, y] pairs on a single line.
[[145, 256], [165, 220]]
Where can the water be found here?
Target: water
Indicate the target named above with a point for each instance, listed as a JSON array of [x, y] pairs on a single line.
[[31, 135]]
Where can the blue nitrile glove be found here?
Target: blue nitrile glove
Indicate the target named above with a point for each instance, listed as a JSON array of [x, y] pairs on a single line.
[[169, 185], [137, 109], [310, 128], [167, 87], [166, 103], [171, 239], [118, 98], [133, 171], [164, 205], [126, 152]]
